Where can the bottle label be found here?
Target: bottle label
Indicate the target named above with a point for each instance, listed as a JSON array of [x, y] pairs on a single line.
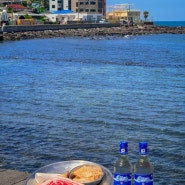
[[143, 179], [122, 179]]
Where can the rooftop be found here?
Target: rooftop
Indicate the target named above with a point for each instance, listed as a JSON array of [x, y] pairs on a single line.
[[16, 6]]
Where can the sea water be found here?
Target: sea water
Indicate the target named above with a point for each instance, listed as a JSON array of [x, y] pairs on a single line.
[[76, 98], [170, 23]]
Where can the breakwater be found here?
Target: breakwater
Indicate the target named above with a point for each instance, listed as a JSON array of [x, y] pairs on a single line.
[[84, 30]]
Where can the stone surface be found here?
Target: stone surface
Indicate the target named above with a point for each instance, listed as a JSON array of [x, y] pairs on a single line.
[[12, 177]]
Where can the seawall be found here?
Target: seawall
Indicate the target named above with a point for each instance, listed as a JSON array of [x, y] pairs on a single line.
[[83, 30]]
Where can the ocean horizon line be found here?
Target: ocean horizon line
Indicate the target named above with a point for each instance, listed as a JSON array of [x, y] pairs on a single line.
[[169, 23]]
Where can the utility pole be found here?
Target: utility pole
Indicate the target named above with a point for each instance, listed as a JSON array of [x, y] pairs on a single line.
[[12, 10], [78, 11]]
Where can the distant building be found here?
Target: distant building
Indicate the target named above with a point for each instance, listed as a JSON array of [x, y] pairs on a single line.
[[17, 7], [79, 6], [89, 6], [120, 12], [57, 5], [68, 16]]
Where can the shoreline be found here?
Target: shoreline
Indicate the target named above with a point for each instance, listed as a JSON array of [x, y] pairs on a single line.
[[118, 31]]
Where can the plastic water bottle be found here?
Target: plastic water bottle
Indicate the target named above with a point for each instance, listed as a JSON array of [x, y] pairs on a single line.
[[122, 173], [143, 170]]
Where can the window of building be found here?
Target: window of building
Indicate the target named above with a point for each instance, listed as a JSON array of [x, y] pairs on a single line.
[[69, 4], [100, 10], [53, 6], [92, 2], [87, 10], [92, 10]]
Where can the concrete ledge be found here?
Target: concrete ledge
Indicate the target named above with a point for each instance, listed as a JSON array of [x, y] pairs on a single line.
[[10, 29], [12, 177]]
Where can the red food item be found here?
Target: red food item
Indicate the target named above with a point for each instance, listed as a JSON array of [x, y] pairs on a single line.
[[60, 181]]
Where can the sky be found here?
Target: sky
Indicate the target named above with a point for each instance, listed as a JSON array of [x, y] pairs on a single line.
[[159, 10]]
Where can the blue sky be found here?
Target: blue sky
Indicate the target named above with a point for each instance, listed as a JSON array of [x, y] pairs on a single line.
[[159, 10]]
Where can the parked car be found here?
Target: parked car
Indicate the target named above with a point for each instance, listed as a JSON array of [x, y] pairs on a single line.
[[127, 23], [131, 23], [124, 23], [103, 21]]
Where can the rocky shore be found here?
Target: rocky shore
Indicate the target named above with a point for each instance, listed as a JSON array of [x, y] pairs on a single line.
[[94, 32]]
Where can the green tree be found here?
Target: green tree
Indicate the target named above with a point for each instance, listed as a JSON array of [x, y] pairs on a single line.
[[27, 16], [24, 3], [145, 14], [29, 3], [46, 4], [9, 10]]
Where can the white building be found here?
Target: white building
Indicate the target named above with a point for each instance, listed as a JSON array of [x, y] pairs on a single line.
[[75, 10], [65, 5], [64, 16], [81, 6], [57, 5]]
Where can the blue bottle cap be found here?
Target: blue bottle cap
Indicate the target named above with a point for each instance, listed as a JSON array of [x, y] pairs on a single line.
[[143, 150], [123, 147]]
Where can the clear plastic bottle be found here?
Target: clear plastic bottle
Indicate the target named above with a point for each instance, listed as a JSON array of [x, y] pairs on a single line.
[[122, 173], [143, 169]]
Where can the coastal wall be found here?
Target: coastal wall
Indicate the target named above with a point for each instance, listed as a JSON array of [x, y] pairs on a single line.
[[23, 28], [84, 30]]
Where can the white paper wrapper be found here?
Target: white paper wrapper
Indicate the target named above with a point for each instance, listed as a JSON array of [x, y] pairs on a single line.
[[41, 177]]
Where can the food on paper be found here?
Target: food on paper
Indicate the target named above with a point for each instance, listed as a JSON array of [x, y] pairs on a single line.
[[86, 173], [59, 181], [41, 177]]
